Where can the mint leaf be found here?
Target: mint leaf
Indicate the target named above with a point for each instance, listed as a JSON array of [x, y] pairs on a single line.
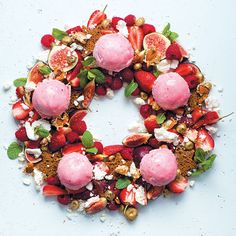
[[45, 70], [161, 118], [58, 34], [87, 139], [166, 29], [130, 88], [88, 61], [91, 76], [206, 165], [156, 72], [14, 150], [122, 183], [173, 36], [20, 82], [200, 155], [169, 34], [43, 133], [83, 78], [99, 76], [197, 173], [92, 150]]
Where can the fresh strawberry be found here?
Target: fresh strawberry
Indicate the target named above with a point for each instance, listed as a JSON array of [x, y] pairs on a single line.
[[52, 180], [72, 137], [209, 118], [127, 153], [47, 40], [128, 196], [96, 18], [178, 185], [145, 80], [64, 130], [130, 20], [135, 37], [99, 147], [77, 116], [20, 91], [127, 75], [145, 110], [147, 29], [21, 134], [74, 30], [136, 92], [115, 21], [192, 81], [73, 148], [19, 111], [80, 127], [198, 113], [112, 149], [204, 140], [73, 74], [32, 144], [51, 190], [58, 140], [75, 83], [107, 31], [173, 52], [151, 123]]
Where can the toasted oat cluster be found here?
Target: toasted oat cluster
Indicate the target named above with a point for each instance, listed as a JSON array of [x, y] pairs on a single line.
[[116, 181]]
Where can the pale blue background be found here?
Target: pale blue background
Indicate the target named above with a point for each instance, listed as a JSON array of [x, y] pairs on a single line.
[[209, 208]]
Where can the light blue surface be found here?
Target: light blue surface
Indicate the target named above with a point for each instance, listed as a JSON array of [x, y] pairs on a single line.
[[209, 208]]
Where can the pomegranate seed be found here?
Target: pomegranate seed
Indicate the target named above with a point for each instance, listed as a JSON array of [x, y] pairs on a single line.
[[53, 180], [117, 83], [136, 92], [64, 199], [101, 90], [130, 20], [145, 111], [99, 146], [47, 40], [127, 75]]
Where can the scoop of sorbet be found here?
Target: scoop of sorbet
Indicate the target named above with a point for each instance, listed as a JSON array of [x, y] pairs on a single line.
[[159, 167], [113, 52], [171, 91], [75, 171], [51, 98]]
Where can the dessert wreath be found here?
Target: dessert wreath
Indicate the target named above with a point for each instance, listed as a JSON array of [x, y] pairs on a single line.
[[171, 143]]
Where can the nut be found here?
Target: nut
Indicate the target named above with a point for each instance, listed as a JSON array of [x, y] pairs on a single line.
[[66, 40], [74, 205], [105, 23], [29, 168], [204, 88], [155, 106], [122, 170], [139, 56], [144, 96], [181, 128], [136, 140], [109, 195], [189, 145], [140, 21], [137, 66], [131, 213], [169, 124], [81, 37]]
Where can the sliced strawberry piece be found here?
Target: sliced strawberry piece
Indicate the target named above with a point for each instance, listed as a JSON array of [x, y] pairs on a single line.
[[178, 185], [77, 116], [51, 190], [73, 148], [79, 127], [21, 134], [108, 31], [115, 21], [112, 149], [198, 113], [19, 111], [96, 18], [32, 144], [58, 140], [127, 153], [135, 37], [128, 196], [64, 130], [151, 123], [74, 30], [20, 91], [72, 137], [210, 118], [73, 74], [75, 83], [204, 140], [145, 80], [99, 147]]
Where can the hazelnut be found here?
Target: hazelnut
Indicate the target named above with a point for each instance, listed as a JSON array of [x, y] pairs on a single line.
[[109, 195], [131, 213], [105, 23], [144, 96], [74, 205], [155, 106], [181, 128], [66, 40], [189, 145], [137, 66], [140, 21]]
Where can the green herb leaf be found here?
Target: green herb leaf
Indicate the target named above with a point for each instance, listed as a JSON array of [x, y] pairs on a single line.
[[200, 155], [88, 61], [91, 76], [45, 70], [161, 118], [99, 76], [43, 133], [156, 72], [130, 88], [206, 165], [122, 183], [92, 150], [14, 150], [197, 173], [173, 36], [58, 34], [166, 29], [83, 75], [169, 34], [87, 139], [20, 82]]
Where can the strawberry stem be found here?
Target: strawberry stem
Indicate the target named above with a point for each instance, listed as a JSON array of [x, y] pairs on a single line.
[[226, 116], [104, 8]]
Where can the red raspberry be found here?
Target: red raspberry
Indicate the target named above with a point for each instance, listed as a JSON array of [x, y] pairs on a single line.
[[127, 75], [99, 147], [127, 153], [79, 127], [101, 90], [130, 20], [192, 81], [173, 52], [117, 83], [64, 199], [136, 92], [21, 134], [115, 20], [108, 81], [153, 143], [47, 40], [147, 29], [145, 111], [53, 180], [72, 137], [58, 140]]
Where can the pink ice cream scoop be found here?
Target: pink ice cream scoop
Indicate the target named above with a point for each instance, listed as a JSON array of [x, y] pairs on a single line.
[[51, 98], [159, 167], [75, 171], [171, 91], [113, 52]]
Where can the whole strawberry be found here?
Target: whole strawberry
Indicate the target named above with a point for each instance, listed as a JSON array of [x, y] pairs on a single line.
[[145, 80]]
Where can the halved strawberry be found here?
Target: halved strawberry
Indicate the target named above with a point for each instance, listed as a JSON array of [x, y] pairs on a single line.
[[99, 147], [32, 144], [20, 91], [115, 21], [108, 31], [204, 140], [73, 74], [51, 190], [77, 116], [151, 123], [96, 18], [78, 147], [135, 37], [19, 110], [175, 52], [112, 149], [178, 185], [58, 140], [209, 118], [145, 80], [128, 196], [198, 113], [74, 30], [127, 153], [21, 134]]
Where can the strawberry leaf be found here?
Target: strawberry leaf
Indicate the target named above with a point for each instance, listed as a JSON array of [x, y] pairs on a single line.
[[14, 150], [161, 118], [20, 82], [87, 139], [130, 88], [92, 150], [58, 34], [122, 183]]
